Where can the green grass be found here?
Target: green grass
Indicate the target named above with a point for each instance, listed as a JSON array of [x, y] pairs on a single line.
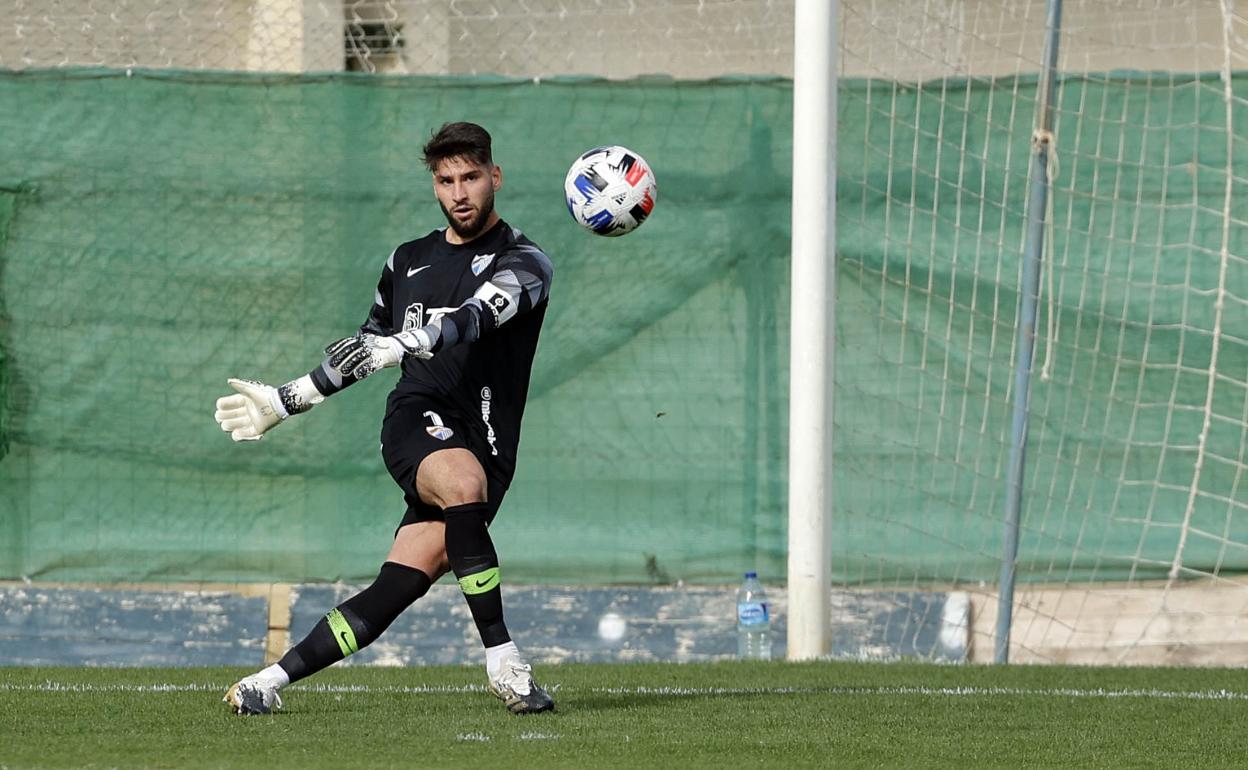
[[683, 716]]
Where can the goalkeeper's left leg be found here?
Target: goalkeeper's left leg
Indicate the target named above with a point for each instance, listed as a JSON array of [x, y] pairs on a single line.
[[357, 622], [354, 624]]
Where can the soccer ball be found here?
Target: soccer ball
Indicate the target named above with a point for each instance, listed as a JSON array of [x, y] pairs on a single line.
[[610, 190]]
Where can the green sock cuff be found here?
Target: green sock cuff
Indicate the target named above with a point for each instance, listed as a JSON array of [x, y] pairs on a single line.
[[480, 582], [342, 632]]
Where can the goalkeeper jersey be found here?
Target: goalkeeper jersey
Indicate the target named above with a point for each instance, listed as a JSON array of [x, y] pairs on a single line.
[[482, 305]]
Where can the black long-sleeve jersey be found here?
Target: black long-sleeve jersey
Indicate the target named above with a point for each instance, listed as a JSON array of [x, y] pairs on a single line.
[[482, 304]]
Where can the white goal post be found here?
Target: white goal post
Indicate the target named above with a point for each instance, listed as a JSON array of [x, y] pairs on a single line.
[[812, 300]]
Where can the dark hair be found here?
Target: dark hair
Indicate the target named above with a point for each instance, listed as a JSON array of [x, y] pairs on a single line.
[[458, 140]]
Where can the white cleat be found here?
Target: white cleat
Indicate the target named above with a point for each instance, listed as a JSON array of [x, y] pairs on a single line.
[[252, 696], [514, 685]]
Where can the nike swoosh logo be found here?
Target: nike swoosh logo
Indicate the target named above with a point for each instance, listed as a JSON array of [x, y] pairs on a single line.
[[414, 271], [484, 583]]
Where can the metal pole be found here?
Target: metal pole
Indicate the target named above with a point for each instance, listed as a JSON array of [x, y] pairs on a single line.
[[812, 298], [1029, 300]]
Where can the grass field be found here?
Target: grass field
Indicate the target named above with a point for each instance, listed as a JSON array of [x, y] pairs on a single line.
[[687, 716]]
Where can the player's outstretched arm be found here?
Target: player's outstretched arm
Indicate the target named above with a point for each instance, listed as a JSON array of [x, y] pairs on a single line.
[[255, 408]]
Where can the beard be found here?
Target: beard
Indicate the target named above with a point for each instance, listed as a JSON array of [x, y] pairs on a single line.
[[473, 227]]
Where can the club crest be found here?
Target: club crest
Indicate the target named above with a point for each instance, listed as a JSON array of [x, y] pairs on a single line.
[[481, 262], [440, 432]]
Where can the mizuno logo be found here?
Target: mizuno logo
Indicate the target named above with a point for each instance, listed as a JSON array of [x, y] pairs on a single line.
[[480, 262], [414, 270], [486, 395]]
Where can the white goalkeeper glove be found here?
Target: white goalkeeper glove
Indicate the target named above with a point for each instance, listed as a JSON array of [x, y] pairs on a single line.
[[363, 354], [250, 412], [255, 408]]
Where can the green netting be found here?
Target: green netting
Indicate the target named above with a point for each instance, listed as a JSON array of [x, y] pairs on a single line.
[[184, 229], [179, 229], [8, 202]]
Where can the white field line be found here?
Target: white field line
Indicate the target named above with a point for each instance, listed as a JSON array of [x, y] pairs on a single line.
[[940, 692]]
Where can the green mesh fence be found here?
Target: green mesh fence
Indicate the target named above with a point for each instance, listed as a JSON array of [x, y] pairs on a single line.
[[171, 230], [183, 229], [8, 201]]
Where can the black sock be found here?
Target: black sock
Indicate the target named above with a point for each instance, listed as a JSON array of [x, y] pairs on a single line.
[[357, 622], [471, 554]]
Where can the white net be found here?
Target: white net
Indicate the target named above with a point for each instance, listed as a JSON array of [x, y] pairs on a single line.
[[1135, 507]]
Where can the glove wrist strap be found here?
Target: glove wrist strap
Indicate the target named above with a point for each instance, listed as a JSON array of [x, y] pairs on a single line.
[[412, 343], [297, 396]]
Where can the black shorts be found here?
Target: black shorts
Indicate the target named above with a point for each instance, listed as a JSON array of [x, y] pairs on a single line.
[[416, 427]]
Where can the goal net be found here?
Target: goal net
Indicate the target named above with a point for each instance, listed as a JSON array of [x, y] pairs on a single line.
[[1134, 528]]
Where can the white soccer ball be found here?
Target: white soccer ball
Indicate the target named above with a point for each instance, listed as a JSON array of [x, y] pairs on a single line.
[[610, 190]]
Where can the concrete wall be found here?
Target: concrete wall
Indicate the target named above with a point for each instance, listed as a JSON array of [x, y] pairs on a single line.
[[268, 35], [922, 40], [1190, 624], [1200, 623], [903, 39], [245, 625]]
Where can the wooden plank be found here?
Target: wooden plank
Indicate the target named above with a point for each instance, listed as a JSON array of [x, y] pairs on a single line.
[[278, 640]]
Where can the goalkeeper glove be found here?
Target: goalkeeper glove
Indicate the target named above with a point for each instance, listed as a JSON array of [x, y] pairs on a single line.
[[255, 408], [251, 411], [363, 354]]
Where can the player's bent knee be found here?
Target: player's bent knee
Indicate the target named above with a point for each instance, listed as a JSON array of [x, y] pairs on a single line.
[[459, 491], [466, 491], [451, 477]]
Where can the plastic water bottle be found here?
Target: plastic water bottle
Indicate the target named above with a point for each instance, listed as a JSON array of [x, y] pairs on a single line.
[[753, 620]]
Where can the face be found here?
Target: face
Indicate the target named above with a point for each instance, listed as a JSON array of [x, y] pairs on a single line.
[[465, 191]]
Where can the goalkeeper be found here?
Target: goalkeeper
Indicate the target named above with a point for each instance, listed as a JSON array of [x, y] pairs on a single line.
[[460, 311]]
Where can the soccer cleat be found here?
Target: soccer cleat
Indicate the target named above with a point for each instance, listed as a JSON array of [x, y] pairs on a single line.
[[514, 685], [252, 696]]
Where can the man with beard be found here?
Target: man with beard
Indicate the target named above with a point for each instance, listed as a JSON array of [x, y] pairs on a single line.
[[460, 311]]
